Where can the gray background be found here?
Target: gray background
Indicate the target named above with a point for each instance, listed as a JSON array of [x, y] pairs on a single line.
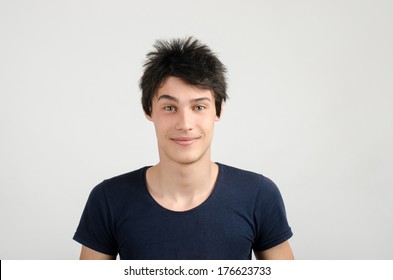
[[310, 85]]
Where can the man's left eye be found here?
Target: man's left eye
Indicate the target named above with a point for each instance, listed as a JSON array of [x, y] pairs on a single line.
[[200, 107]]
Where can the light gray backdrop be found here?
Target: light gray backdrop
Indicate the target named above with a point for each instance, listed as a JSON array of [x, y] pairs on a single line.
[[310, 85]]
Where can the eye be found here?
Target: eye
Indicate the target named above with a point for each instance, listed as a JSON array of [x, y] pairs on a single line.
[[169, 108], [200, 107]]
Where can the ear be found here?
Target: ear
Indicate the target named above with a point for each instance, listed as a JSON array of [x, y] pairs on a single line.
[[148, 117], [219, 117]]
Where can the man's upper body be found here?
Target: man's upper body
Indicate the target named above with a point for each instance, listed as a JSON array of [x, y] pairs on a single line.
[[243, 213], [185, 206]]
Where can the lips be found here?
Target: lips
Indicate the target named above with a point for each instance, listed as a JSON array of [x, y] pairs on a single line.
[[185, 141]]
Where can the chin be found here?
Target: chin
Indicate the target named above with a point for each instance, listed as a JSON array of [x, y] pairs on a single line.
[[187, 159]]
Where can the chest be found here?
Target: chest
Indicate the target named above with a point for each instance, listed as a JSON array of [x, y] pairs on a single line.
[[209, 233]]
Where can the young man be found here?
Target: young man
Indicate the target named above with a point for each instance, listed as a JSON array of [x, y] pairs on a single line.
[[185, 206]]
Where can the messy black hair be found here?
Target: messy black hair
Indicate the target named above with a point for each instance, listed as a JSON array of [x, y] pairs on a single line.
[[187, 59]]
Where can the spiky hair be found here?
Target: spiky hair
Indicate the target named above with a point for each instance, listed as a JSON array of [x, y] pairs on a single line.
[[187, 59]]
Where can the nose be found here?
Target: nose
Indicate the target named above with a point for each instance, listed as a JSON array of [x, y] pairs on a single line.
[[184, 120]]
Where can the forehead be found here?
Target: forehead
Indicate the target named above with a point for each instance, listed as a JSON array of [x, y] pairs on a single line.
[[176, 87]]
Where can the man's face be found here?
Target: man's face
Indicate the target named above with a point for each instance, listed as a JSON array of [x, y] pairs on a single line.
[[183, 116]]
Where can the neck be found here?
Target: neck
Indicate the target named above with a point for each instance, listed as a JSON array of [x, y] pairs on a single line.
[[181, 186]]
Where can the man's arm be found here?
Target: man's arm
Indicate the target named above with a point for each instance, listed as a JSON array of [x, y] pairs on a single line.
[[90, 254], [282, 251]]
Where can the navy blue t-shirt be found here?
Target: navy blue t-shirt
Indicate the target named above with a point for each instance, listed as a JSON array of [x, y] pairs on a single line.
[[244, 212]]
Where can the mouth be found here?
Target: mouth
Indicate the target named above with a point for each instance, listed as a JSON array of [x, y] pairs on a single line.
[[185, 141]]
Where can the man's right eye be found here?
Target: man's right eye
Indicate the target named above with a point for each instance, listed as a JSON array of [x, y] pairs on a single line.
[[169, 108]]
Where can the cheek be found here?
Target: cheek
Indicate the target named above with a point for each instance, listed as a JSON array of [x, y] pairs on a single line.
[[208, 126], [162, 127]]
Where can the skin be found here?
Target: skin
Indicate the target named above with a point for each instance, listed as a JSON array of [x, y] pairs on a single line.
[[184, 118]]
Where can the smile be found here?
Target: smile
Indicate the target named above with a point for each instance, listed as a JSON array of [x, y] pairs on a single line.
[[185, 141]]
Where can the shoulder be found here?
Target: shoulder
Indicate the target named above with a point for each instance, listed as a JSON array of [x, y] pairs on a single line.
[[249, 187], [245, 178], [121, 184]]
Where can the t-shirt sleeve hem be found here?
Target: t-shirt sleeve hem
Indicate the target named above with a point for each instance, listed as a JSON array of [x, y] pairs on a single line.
[[275, 242], [92, 245]]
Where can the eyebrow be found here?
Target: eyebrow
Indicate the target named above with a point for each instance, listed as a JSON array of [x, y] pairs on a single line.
[[174, 99]]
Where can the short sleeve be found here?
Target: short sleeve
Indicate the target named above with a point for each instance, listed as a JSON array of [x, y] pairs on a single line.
[[96, 227], [270, 217]]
